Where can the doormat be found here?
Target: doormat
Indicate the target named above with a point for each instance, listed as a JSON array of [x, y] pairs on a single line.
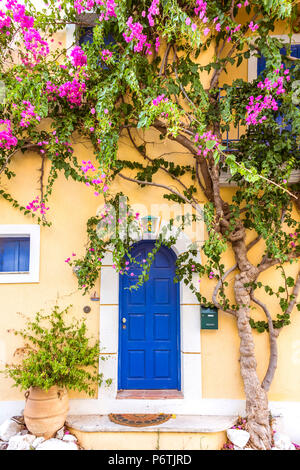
[[139, 421]]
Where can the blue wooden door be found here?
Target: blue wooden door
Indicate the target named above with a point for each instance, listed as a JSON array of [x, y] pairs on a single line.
[[149, 346]]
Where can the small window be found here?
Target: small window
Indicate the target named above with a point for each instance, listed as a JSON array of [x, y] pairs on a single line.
[[87, 33], [261, 62], [19, 253], [86, 37], [14, 254], [261, 66]]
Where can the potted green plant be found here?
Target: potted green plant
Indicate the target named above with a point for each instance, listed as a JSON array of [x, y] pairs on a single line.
[[58, 356]]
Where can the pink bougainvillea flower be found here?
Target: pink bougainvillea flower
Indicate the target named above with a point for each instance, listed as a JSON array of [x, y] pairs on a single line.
[[157, 43], [159, 99], [201, 8], [29, 115], [257, 105], [207, 137], [78, 57], [153, 10], [36, 205], [253, 26], [7, 140], [86, 166], [106, 54], [72, 91]]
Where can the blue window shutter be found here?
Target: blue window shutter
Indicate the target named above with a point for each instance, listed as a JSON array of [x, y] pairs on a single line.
[[261, 62], [295, 51], [87, 37], [109, 39], [261, 65], [24, 254], [14, 254]]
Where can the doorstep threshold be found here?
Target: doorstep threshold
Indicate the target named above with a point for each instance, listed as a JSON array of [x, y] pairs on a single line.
[[149, 394], [179, 423]]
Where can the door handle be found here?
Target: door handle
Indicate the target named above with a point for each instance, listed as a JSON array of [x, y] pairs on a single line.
[[124, 320]]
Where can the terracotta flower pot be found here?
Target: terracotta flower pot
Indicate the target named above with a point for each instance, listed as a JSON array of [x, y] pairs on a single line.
[[46, 411]]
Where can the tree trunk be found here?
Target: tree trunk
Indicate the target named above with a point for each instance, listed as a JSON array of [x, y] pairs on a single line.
[[257, 410], [258, 422]]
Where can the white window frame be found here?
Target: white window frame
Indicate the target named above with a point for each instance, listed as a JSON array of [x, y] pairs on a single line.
[[70, 35], [252, 75], [252, 62], [33, 232]]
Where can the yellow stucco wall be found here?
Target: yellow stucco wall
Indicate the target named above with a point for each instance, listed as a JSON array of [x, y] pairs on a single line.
[[71, 205], [150, 440]]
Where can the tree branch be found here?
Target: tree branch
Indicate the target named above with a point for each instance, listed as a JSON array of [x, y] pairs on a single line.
[[207, 191], [180, 84], [145, 156], [41, 180], [25, 147], [215, 79], [266, 383], [274, 333], [269, 262], [251, 244], [185, 142], [217, 288], [231, 10], [150, 183], [165, 59], [295, 294]]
